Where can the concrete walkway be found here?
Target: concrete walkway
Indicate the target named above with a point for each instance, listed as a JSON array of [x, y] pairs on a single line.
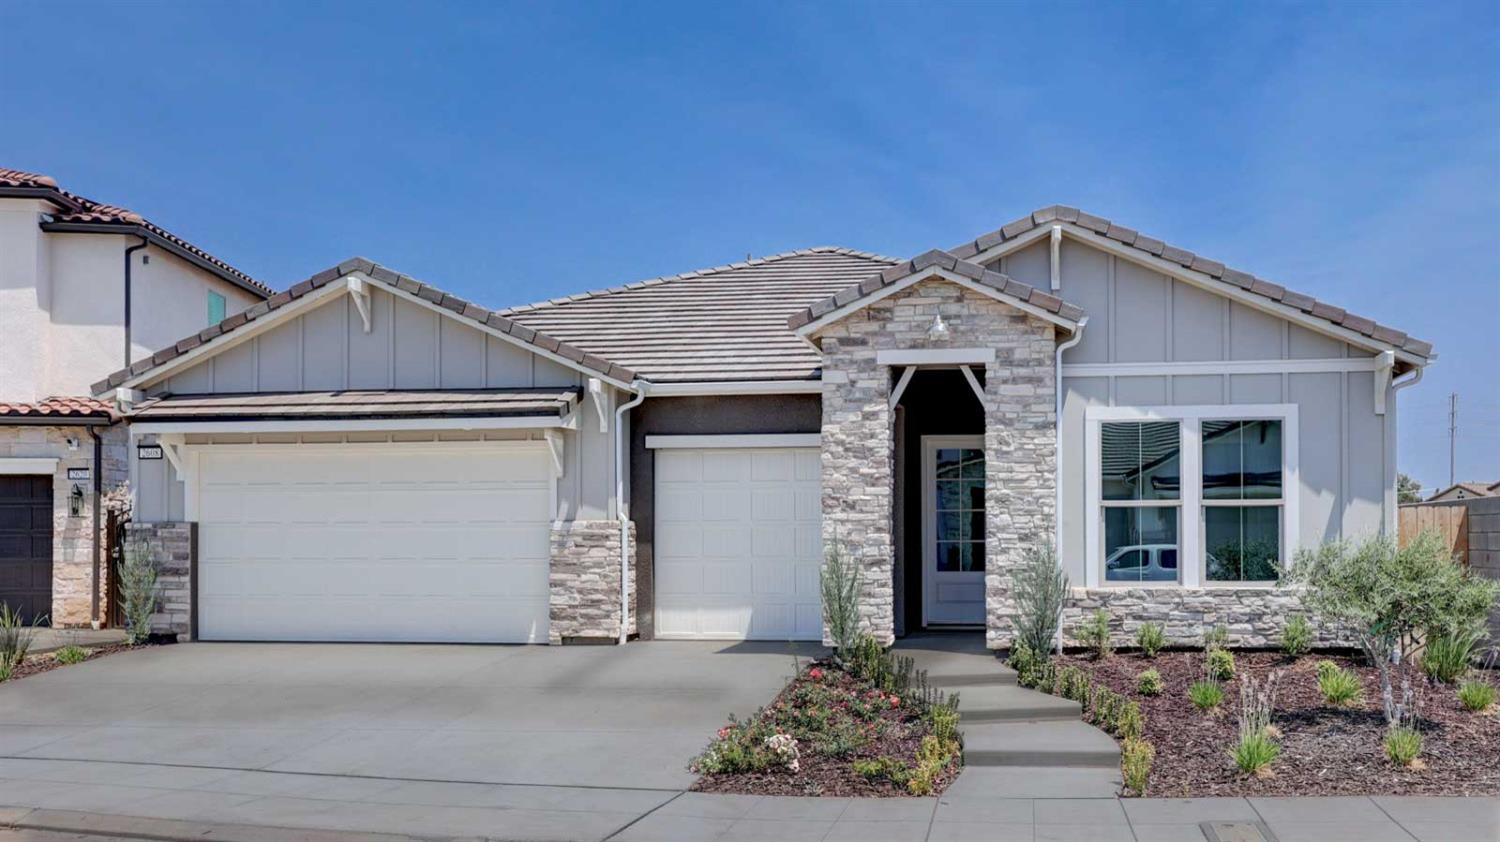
[[1017, 741]]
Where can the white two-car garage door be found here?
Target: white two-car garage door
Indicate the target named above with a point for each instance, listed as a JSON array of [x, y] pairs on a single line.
[[388, 542], [738, 544]]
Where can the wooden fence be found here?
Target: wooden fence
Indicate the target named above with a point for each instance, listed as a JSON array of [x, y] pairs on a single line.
[[1449, 519]]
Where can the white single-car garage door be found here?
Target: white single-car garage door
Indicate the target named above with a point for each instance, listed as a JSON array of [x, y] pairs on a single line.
[[387, 542], [738, 544]]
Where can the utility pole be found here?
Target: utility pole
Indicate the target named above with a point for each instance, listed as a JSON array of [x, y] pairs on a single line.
[[1452, 438]]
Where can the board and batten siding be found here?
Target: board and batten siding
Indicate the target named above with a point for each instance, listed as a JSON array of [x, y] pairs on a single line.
[[1136, 315], [408, 347]]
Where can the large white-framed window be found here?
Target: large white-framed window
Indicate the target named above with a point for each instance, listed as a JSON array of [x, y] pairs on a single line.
[[1191, 496]]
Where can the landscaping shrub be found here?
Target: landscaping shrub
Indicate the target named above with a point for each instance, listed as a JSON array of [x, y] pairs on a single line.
[[1403, 744], [1026, 662], [932, 758], [138, 591], [888, 768], [16, 637], [1297, 636], [1206, 695], [1135, 764], [1149, 683], [1129, 722], [1039, 587], [1256, 749], [944, 721], [1216, 638], [1476, 695], [1446, 655], [1388, 596], [1254, 752], [1103, 707], [1339, 686], [1073, 683], [839, 584], [1151, 638], [71, 655], [739, 747], [1220, 664], [1094, 634]]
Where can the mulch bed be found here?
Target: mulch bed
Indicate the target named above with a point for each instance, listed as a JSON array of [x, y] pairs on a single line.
[[1324, 750], [891, 731], [38, 664]]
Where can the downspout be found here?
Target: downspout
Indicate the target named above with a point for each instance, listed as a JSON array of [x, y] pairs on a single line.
[[1057, 479], [128, 252], [639, 387], [94, 620], [1392, 410]]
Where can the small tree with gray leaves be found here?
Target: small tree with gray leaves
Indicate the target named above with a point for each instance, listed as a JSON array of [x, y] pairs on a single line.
[[840, 586], [1040, 588], [138, 589]]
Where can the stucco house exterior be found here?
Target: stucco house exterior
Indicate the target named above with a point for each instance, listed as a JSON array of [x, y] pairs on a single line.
[[365, 457], [84, 288]]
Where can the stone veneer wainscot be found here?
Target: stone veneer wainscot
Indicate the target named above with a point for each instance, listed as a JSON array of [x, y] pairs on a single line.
[[584, 581]]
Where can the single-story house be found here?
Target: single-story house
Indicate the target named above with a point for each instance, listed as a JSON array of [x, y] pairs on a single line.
[[1465, 491], [365, 457]]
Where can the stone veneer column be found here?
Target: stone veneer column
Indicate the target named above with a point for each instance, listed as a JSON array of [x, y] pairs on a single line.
[[174, 548], [584, 582], [1020, 435]]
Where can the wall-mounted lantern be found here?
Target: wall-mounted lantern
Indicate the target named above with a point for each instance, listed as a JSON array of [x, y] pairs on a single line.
[[939, 330], [75, 501]]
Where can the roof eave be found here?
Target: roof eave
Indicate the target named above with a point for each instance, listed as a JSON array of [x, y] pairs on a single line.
[[132, 229]]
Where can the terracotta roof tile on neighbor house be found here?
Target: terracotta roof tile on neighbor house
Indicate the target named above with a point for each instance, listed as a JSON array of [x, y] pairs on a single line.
[[1186, 259], [359, 404], [458, 306], [79, 214], [724, 323], [58, 407], [937, 259]]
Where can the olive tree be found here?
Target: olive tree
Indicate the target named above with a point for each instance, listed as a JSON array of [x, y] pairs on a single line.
[[1391, 597]]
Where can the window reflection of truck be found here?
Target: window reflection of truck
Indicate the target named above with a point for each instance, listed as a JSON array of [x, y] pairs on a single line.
[[1142, 563]]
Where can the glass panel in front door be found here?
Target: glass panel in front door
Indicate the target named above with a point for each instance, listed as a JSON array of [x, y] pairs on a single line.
[[959, 510]]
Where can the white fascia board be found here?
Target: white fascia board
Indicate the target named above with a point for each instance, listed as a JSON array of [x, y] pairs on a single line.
[[225, 341], [343, 425], [1308, 366], [927, 274], [734, 441], [935, 356], [1224, 288], [1016, 243], [28, 465], [736, 387]]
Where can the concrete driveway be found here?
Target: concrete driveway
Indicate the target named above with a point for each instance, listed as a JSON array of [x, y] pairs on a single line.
[[561, 716]]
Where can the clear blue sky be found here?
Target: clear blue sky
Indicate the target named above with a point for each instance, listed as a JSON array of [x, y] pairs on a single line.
[[510, 152]]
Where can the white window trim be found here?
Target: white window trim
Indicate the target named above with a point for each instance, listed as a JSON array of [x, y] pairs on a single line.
[[1190, 536], [732, 441]]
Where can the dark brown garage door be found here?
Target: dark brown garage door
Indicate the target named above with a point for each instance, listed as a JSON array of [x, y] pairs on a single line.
[[26, 544]]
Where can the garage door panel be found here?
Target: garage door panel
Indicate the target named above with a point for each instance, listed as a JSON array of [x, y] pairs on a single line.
[[331, 542], [738, 544]]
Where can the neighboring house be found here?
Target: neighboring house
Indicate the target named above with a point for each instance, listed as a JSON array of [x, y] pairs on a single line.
[[1464, 491], [84, 288], [364, 457]]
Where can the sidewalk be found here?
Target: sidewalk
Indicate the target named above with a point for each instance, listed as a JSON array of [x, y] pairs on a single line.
[[177, 802]]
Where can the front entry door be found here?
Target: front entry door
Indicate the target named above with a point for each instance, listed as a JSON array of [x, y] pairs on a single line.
[[953, 530]]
